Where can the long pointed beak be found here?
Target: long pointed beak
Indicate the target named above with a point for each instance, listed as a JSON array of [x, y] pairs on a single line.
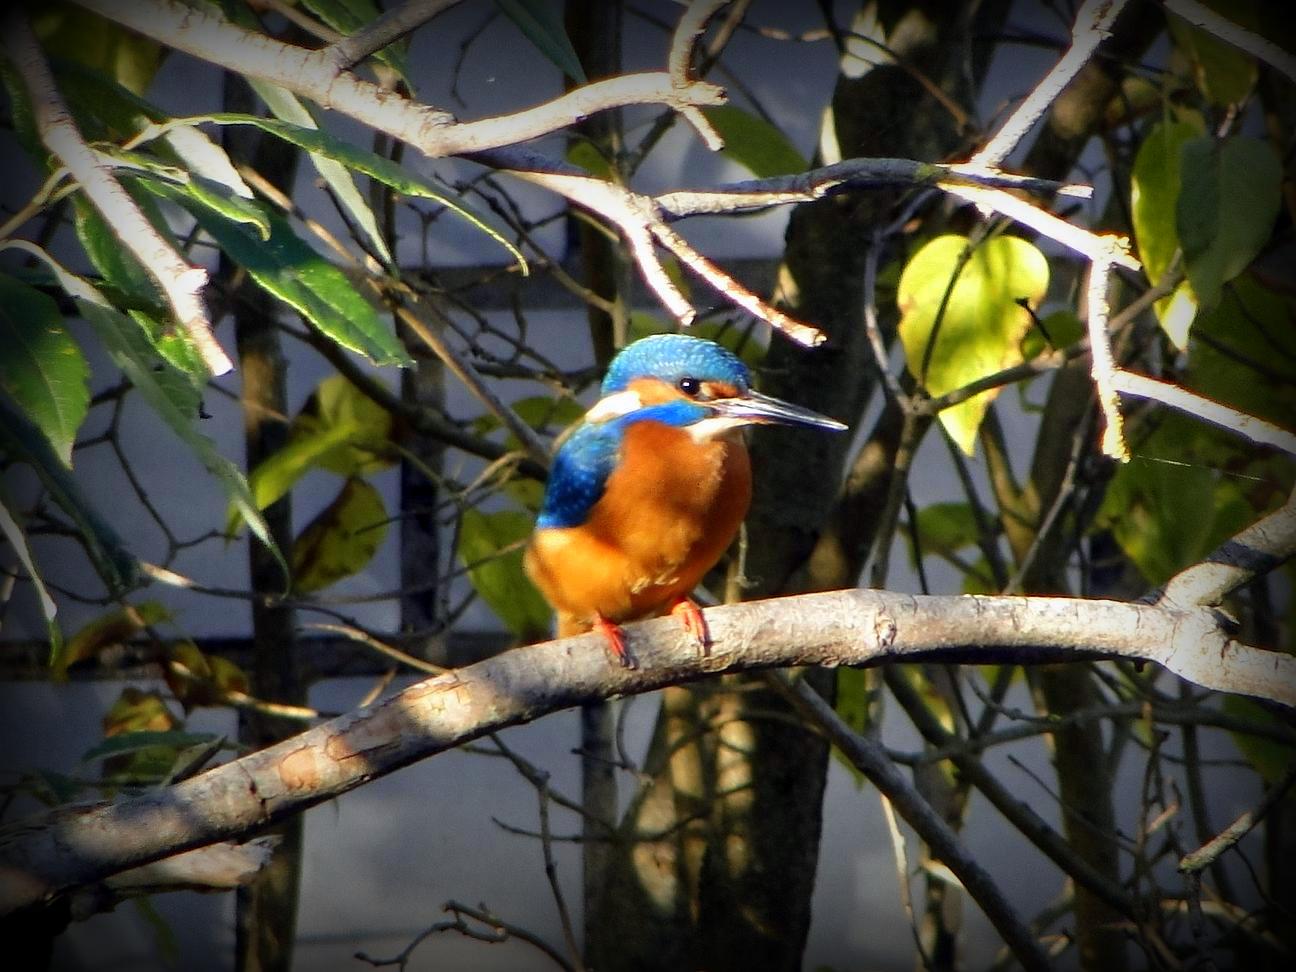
[[765, 410]]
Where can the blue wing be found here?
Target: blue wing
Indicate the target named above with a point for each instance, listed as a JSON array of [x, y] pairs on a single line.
[[587, 457], [579, 474]]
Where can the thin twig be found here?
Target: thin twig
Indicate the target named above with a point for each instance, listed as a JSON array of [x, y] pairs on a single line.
[[386, 30], [1092, 25], [1199, 15], [868, 756], [1206, 855]]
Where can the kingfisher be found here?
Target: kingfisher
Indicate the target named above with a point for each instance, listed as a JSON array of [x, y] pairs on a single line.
[[648, 490]]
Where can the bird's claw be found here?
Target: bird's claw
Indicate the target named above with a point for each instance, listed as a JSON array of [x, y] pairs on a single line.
[[615, 638], [691, 617]]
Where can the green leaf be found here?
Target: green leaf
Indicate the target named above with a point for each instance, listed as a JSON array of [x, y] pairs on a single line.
[[287, 107], [540, 412], [196, 679], [498, 577], [104, 109], [947, 528], [585, 153], [21, 441], [1251, 326], [1145, 507], [41, 367], [368, 446], [320, 143], [338, 429], [17, 541], [754, 143], [1224, 74], [980, 579], [1154, 195], [132, 288], [178, 185], [981, 323], [288, 269], [542, 24], [1268, 757], [1061, 329], [859, 703], [342, 539], [1228, 200], [279, 472]]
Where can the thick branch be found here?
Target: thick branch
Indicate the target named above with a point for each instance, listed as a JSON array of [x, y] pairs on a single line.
[[854, 627]]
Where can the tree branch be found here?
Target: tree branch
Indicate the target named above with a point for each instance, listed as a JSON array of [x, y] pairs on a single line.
[[315, 75], [1258, 549], [387, 29], [1199, 15], [1092, 25], [39, 860], [181, 283]]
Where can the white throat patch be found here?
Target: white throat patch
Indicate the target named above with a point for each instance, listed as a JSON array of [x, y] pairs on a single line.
[[714, 428], [614, 406]]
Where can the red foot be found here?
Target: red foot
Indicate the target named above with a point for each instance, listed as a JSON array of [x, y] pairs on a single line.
[[690, 616], [616, 641]]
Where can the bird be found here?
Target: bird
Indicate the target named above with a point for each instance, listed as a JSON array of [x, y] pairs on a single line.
[[648, 489]]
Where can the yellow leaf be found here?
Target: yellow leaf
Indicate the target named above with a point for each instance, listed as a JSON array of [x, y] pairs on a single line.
[[967, 307], [341, 540]]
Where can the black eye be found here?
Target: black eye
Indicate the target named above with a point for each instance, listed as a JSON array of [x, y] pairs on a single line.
[[690, 386]]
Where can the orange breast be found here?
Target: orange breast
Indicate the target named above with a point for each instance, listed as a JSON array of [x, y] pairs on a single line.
[[671, 508]]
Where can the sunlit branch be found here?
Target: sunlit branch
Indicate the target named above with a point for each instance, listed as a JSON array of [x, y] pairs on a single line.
[[1217, 413], [181, 283], [843, 627], [1256, 550], [434, 132]]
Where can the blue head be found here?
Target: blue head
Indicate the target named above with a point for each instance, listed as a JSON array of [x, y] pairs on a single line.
[[675, 360], [674, 379]]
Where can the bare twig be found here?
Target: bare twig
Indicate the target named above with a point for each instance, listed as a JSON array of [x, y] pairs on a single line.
[[360, 636], [1209, 852], [689, 29], [387, 29], [1200, 15], [1092, 25]]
